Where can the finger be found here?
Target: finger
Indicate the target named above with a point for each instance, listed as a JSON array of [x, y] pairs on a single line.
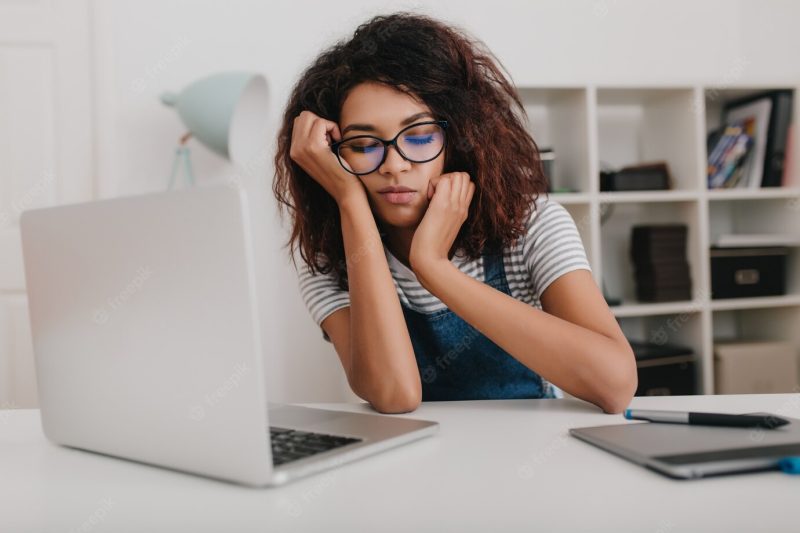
[[320, 131], [460, 193], [333, 130], [433, 183], [442, 186], [435, 180], [302, 125], [465, 191], [470, 194], [455, 190]]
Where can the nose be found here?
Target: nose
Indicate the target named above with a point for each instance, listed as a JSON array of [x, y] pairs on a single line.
[[394, 162]]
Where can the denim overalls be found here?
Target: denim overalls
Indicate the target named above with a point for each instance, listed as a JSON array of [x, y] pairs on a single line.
[[457, 362]]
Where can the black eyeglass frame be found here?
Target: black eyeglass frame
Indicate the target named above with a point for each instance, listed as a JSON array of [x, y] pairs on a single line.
[[389, 142]]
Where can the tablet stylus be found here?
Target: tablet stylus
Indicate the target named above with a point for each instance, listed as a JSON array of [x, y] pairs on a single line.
[[706, 419]]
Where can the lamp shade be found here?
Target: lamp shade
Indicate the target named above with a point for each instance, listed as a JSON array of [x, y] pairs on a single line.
[[227, 112]]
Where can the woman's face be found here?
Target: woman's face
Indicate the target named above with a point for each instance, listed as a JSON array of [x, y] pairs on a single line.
[[382, 111]]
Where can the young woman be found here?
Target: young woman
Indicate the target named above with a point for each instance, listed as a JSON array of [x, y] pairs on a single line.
[[430, 257]]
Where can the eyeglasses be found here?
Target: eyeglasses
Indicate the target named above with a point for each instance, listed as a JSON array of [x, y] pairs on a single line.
[[418, 143]]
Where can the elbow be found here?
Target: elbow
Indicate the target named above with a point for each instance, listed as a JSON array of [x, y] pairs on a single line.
[[404, 401], [394, 396], [614, 404], [618, 393]]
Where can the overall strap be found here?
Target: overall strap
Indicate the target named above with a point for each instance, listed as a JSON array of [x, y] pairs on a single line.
[[493, 264]]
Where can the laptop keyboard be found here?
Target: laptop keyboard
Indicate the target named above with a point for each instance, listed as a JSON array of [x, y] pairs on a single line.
[[291, 445]]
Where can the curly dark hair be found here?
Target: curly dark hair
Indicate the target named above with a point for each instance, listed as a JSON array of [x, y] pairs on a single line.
[[462, 82]]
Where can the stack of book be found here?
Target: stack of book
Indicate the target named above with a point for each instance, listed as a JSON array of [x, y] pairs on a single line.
[[751, 148], [729, 155], [661, 268]]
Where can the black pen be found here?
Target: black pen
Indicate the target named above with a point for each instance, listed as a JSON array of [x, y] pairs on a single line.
[[706, 419]]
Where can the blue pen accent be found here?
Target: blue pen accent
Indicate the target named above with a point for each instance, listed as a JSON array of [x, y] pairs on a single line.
[[790, 465], [628, 414]]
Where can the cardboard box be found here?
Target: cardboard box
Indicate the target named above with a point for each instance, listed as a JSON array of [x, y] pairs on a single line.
[[755, 367]]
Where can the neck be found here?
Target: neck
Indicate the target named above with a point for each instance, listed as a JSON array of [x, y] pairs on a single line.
[[398, 240]]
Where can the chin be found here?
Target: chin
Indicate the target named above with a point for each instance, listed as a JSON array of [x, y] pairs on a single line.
[[399, 216], [402, 220]]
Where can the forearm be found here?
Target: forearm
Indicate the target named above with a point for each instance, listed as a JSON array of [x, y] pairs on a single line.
[[580, 361], [382, 368]]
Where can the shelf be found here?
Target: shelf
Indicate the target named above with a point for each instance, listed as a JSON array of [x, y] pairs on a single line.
[[768, 324], [680, 329], [761, 216], [593, 127], [617, 267], [648, 196], [569, 198], [665, 308], [558, 118], [763, 302], [644, 125], [656, 308], [765, 193]]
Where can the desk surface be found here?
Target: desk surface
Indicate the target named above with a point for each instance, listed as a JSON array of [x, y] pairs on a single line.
[[492, 463]]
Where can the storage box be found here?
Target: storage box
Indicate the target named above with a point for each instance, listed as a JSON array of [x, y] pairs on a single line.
[[755, 367], [748, 272], [667, 376]]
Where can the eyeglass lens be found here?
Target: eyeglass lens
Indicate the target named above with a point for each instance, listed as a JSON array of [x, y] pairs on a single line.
[[418, 144]]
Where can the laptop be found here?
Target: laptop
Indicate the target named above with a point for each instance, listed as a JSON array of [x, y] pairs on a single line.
[[147, 343], [691, 451]]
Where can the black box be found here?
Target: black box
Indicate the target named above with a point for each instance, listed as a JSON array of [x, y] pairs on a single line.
[[748, 272], [667, 376], [650, 350], [644, 177]]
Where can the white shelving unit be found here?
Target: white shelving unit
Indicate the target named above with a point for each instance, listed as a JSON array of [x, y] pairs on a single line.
[[592, 127]]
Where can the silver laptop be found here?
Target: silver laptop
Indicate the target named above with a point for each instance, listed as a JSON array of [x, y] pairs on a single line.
[[147, 343], [691, 451]]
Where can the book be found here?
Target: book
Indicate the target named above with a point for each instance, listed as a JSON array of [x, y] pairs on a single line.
[[777, 138], [790, 179], [729, 162], [759, 109]]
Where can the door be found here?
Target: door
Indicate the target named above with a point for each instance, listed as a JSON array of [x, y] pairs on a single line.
[[45, 152]]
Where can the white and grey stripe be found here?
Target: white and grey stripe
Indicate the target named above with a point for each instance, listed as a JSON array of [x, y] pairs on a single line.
[[552, 247]]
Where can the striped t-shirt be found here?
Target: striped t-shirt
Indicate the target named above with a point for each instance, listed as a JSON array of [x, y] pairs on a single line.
[[550, 248]]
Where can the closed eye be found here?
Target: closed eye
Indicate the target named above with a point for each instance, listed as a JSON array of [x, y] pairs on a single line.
[[419, 139], [364, 149]]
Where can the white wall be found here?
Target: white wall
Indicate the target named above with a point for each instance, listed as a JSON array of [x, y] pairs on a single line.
[[146, 46]]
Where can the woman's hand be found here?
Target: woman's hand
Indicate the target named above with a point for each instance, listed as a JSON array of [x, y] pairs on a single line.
[[312, 136], [450, 196]]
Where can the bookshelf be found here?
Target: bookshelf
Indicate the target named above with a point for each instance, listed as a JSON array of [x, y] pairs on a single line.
[[594, 127]]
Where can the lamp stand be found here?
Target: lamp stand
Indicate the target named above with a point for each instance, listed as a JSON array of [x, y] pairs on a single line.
[[182, 155]]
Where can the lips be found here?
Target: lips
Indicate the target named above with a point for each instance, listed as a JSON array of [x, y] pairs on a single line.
[[395, 188], [397, 194]]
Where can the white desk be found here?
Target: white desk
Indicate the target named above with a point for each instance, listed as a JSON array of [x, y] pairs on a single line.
[[497, 463]]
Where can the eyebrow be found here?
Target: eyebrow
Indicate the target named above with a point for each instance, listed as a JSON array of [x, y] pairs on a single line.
[[369, 127]]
